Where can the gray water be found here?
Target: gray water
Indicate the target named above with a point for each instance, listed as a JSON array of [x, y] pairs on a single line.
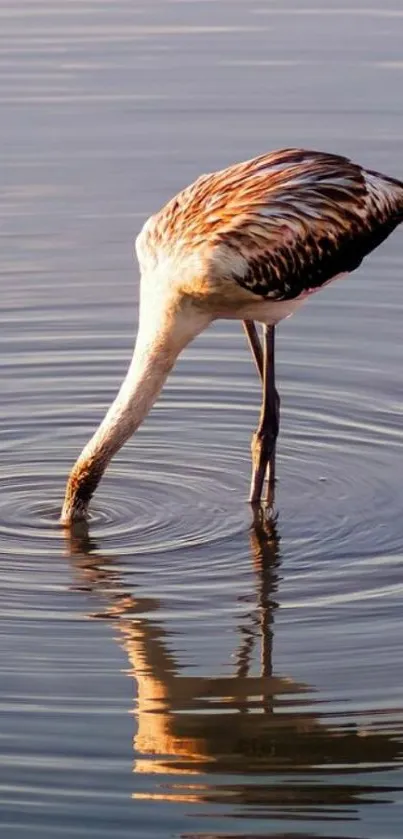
[[182, 670]]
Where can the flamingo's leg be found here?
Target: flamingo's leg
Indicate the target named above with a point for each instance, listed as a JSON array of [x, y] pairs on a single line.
[[255, 345], [265, 436]]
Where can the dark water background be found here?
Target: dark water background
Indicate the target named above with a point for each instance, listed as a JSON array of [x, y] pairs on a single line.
[[237, 678]]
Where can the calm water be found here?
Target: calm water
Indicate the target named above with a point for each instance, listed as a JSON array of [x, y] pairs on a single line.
[[181, 670]]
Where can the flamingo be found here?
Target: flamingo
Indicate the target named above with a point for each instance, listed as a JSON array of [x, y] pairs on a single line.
[[251, 242]]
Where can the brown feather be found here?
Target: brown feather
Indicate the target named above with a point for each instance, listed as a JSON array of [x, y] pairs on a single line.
[[296, 218]]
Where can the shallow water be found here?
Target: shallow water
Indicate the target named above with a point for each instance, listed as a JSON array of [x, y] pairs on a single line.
[[238, 678]]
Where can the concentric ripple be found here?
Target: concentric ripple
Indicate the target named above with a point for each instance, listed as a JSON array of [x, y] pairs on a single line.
[[183, 479], [166, 489]]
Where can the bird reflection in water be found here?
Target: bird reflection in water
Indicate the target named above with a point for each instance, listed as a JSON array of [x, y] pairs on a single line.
[[268, 727]]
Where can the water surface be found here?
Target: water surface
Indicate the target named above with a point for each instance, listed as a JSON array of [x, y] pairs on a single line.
[[184, 669]]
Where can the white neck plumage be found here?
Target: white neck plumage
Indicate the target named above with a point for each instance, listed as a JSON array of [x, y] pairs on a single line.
[[163, 334]]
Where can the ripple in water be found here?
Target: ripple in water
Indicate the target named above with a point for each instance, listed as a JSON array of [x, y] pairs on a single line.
[[337, 475]]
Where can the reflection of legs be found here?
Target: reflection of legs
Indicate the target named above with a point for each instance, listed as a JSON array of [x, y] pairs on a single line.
[[264, 438]]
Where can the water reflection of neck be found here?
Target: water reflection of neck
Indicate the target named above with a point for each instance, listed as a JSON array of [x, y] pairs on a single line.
[[162, 692], [240, 724]]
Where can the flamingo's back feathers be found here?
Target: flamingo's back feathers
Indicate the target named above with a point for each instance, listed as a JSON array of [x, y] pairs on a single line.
[[279, 225]]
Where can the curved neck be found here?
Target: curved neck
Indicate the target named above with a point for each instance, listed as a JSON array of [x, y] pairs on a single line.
[[157, 348]]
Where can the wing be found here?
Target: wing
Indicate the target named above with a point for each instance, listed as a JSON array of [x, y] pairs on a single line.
[[282, 223]]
